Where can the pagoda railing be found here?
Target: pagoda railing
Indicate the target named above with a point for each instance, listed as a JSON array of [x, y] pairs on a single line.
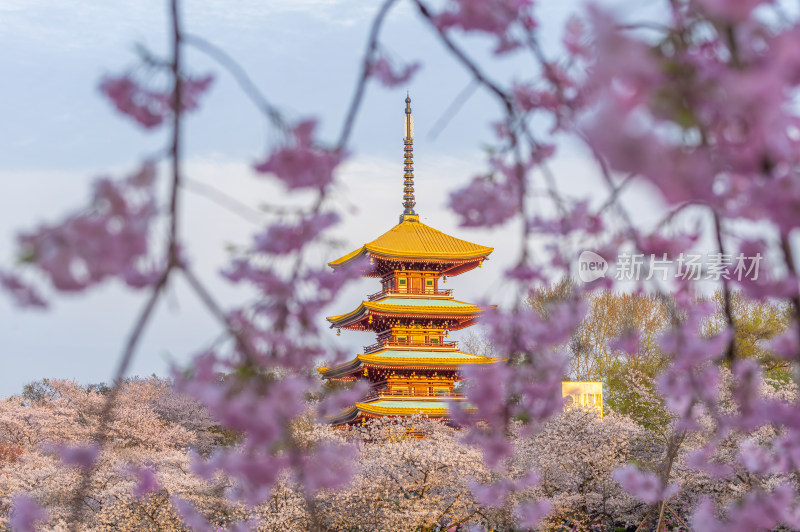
[[411, 291], [376, 394], [381, 344]]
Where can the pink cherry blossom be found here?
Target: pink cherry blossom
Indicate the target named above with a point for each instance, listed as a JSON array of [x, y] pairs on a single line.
[[530, 513], [301, 164], [738, 11], [484, 203], [329, 466], [23, 293], [149, 108], [83, 456], [758, 511], [574, 39], [109, 239], [645, 486], [144, 106], [786, 344], [192, 89], [529, 99], [146, 481], [577, 217], [281, 238], [494, 17], [628, 343], [25, 514], [382, 69], [191, 516]]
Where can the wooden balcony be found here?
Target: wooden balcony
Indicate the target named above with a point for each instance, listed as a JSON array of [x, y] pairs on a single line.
[[383, 344], [410, 292], [383, 392]]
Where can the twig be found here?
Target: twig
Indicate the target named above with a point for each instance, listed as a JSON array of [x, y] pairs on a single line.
[[615, 192], [678, 517], [175, 152], [465, 60], [726, 296], [101, 435], [224, 200], [452, 109], [216, 310], [355, 103], [786, 249], [661, 516], [240, 76]]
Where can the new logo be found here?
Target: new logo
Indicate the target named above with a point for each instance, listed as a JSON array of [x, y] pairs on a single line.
[[591, 266]]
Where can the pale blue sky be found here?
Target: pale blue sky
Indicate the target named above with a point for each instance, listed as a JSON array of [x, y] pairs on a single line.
[[57, 134]]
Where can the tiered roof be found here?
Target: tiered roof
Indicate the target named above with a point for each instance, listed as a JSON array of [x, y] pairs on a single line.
[[411, 359], [401, 307], [412, 240]]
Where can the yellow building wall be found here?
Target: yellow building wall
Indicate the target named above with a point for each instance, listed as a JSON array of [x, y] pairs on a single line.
[[587, 395]]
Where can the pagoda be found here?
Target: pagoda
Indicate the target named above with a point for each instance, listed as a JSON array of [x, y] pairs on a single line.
[[412, 367]]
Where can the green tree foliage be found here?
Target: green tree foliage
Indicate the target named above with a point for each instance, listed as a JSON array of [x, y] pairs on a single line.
[[594, 355], [754, 324]]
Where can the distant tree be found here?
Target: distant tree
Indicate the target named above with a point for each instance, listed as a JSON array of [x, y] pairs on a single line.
[[47, 439], [38, 391], [414, 474], [755, 322], [620, 332], [575, 455]]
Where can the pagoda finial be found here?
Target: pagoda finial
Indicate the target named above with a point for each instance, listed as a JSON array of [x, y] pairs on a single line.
[[408, 174]]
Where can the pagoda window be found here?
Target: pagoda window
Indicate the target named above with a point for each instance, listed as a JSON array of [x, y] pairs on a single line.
[[441, 390], [429, 286], [434, 340], [402, 339], [402, 282]]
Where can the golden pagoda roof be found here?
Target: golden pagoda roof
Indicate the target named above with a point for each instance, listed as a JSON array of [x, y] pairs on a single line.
[[405, 407], [400, 406], [407, 358], [413, 307], [413, 239]]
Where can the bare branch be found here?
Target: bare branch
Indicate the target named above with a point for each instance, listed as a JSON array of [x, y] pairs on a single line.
[[358, 94], [240, 76]]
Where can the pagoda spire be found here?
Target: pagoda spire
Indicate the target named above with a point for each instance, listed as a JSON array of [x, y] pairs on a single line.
[[408, 174]]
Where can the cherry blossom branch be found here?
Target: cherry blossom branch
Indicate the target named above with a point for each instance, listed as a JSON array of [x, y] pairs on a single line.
[[175, 152], [464, 59], [616, 190], [240, 76], [216, 310], [172, 260], [788, 257], [366, 66], [106, 414], [726, 296], [226, 201], [452, 109]]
